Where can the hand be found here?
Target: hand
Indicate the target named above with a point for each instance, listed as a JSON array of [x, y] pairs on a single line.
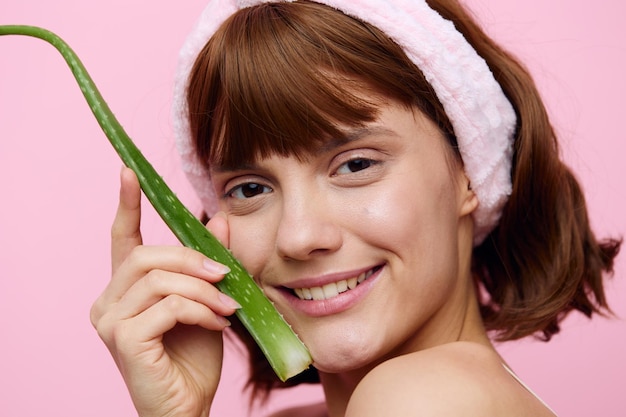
[[161, 317]]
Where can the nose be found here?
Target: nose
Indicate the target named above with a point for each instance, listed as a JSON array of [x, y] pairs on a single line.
[[309, 226]]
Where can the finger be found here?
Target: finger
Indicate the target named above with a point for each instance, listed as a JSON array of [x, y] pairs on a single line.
[[158, 285], [144, 259], [174, 309], [162, 317], [125, 232], [218, 226], [178, 259]]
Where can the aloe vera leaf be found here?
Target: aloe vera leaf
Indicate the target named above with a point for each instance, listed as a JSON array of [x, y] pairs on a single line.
[[283, 349]]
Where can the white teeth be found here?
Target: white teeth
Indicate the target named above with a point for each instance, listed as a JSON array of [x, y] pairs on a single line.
[[352, 282], [299, 293], [317, 293], [307, 294], [332, 289]]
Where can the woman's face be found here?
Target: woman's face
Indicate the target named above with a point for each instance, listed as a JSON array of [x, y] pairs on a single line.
[[364, 246]]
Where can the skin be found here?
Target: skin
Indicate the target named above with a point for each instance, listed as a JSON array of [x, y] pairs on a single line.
[[392, 201], [316, 220], [161, 317]]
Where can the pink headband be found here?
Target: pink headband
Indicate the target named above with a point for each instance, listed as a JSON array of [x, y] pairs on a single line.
[[482, 117]]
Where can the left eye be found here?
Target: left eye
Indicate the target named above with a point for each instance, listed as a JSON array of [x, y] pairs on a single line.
[[248, 190], [354, 165]]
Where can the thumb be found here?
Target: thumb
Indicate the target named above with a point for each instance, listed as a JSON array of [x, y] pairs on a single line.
[[218, 226]]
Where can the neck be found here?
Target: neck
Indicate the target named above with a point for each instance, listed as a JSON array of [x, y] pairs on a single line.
[[338, 389]]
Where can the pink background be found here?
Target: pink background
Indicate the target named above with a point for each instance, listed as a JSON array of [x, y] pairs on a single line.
[[59, 176]]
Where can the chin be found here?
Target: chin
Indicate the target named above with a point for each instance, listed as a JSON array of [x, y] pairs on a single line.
[[338, 367], [337, 356]]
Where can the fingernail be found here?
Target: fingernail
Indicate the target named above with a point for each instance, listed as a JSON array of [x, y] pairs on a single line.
[[215, 267], [223, 321], [228, 302]]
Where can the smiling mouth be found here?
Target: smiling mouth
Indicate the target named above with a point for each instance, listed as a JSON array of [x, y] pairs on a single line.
[[333, 289]]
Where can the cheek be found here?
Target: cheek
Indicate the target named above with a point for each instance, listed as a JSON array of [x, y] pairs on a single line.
[[250, 242], [409, 214]]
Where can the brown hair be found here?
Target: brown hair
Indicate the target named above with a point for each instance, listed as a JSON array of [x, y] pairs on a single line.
[[278, 77]]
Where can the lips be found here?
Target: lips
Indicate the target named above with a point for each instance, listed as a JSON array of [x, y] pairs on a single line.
[[333, 289]]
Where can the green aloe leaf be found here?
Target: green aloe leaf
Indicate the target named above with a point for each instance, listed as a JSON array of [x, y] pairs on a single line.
[[285, 352]]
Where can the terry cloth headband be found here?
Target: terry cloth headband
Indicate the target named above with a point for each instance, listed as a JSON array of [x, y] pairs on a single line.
[[482, 117]]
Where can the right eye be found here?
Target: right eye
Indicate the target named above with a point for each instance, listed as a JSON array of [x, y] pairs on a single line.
[[248, 190], [355, 165]]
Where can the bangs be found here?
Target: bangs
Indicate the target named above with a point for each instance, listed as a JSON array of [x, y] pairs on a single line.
[[283, 78]]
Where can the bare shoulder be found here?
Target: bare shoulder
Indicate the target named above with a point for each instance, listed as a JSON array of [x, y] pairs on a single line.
[[311, 410], [459, 378]]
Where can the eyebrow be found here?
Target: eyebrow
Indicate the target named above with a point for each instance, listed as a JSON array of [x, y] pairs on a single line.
[[355, 134], [230, 168], [350, 135]]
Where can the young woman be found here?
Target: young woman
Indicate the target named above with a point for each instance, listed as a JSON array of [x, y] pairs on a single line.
[[389, 176]]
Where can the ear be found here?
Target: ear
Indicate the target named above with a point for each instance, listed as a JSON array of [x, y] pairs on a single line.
[[467, 200]]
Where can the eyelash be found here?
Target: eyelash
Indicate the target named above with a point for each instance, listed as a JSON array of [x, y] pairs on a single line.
[[240, 189], [369, 163]]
